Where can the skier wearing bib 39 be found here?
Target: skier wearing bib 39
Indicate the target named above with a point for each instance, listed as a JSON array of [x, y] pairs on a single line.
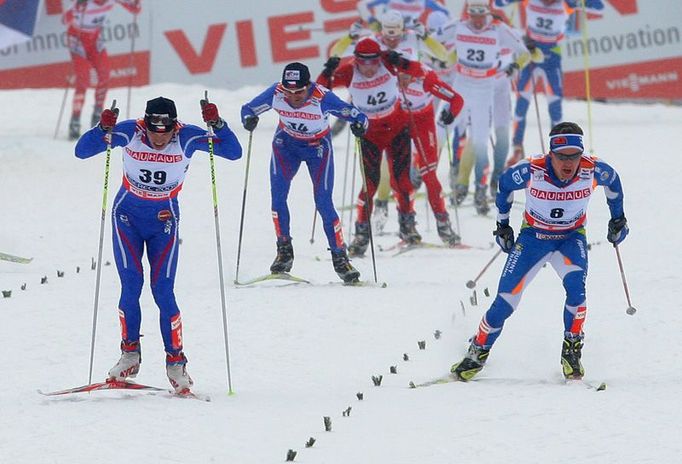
[[157, 151]]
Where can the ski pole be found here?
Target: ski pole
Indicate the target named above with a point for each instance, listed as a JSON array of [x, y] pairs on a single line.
[[345, 178], [631, 310], [105, 193], [447, 141], [312, 232], [588, 93], [211, 158], [352, 194], [537, 109], [130, 64], [358, 149], [241, 218], [69, 81], [472, 283]]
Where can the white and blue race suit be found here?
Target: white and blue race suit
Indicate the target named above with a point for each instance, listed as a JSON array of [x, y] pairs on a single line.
[[303, 135], [553, 231], [146, 215], [546, 26]]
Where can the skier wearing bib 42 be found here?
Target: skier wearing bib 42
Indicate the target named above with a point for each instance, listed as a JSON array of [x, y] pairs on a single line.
[[157, 151], [303, 135], [558, 188]]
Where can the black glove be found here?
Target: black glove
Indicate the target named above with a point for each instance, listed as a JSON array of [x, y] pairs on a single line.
[[446, 117], [396, 59], [509, 70], [529, 43], [504, 236], [250, 123], [331, 65], [618, 230], [358, 129]]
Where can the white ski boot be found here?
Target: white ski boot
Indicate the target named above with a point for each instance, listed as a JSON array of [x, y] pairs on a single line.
[[129, 364], [176, 370]]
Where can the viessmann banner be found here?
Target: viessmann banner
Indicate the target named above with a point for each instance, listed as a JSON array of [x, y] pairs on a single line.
[[634, 49]]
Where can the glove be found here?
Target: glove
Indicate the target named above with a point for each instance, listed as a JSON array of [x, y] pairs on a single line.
[[529, 43], [504, 236], [618, 230], [107, 120], [250, 123], [355, 30], [446, 117], [330, 66], [209, 111], [396, 59], [511, 69], [358, 129], [420, 30]]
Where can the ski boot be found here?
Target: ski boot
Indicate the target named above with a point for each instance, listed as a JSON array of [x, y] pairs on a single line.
[[481, 200], [285, 257], [129, 364], [570, 357], [458, 195], [380, 216], [74, 128], [176, 370], [408, 230], [96, 113], [472, 363], [415, 177], [360, 241], [343, 267], [445, 232]]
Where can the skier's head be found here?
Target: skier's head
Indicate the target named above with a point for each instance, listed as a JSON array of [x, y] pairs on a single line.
[[479, 13], [367, 56], [392, 28], [440, 26], [160, 119], [565, 149], [296, 81]]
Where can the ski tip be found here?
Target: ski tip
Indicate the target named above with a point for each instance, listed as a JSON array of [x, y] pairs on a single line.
[[601, 387]]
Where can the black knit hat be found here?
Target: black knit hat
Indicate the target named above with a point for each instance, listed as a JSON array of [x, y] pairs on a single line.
[[160, 115], [295, 76]]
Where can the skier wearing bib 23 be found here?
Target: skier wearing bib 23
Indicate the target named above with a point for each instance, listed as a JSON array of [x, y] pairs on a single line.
[[157, 151], [558, 188]]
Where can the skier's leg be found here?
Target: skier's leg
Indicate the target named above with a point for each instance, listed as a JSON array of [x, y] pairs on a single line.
[[284, 165]]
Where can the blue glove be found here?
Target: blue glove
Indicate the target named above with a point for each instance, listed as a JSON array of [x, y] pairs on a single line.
[[504, 236], [618, 230]]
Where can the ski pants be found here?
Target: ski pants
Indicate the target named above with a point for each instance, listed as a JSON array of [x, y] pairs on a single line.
[[287, 155], [151, 224], [548, 73], [567, 253], [476, 119], [423, 132], [87, 51], [390, 134]]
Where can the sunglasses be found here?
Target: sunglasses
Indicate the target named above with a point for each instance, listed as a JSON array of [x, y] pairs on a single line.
[[295, 91], [160, 120], [367, 61], [565, 157], [477, 11]]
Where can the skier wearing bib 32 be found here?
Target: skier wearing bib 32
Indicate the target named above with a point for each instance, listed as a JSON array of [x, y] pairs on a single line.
[[157, 151], [303, 135], [558, 188]]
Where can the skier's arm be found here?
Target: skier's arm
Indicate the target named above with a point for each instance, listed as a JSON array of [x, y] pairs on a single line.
[[94, 140], [607, 177], [509, 40], [502, 3], [260, 103], [225, 143], [594, 5], [333, 105], [513, 178], [341, 77], [432, 5], [436, 49], [436, 87]]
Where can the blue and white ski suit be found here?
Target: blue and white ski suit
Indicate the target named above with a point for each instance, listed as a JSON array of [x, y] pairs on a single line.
[[146, 214]]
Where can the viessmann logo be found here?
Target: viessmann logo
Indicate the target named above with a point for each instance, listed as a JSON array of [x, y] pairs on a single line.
[[634, 81]]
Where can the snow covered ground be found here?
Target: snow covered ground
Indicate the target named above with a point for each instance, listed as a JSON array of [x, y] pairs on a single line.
[[301, 352]]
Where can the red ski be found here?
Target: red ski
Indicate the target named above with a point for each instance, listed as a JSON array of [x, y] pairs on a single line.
[[110, 384]]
